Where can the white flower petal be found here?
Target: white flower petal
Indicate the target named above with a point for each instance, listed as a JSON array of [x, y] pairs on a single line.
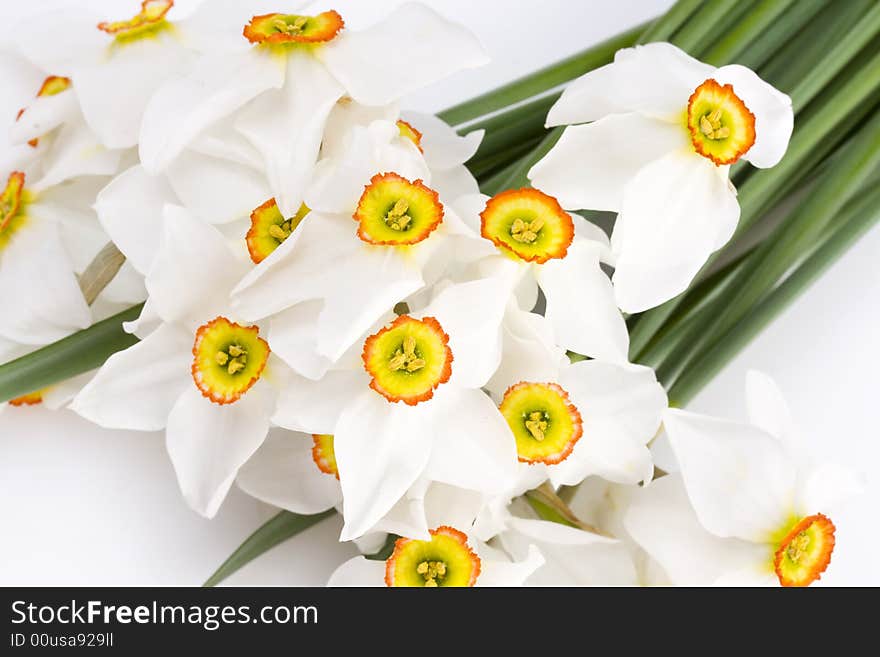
[[444, 148], [208, 443], [621, 407], [358, 571], [655, 79], [471, 314], [283, 473], [369, 62], [451, 506], [675, 213], [39, 292], [381, 449], [286, 127], [315, 406], [193, 271], [661, 520], [454, 183], [739, 478], [774, 117], [514, 573], [130, 210], [75, 152], [474, 448], [581, 306], [114, 92], [137, 388], [185, 106], [293, 334], [827, 486], [67, 38], [44, 114], [234, 192], [591, 165], [768, 409]]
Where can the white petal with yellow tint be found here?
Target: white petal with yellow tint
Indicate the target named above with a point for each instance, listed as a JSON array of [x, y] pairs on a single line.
[[137, 388], [411, 48], [130, 210], [187, 105], [381, 450], [661, 520], [193, 271], [581, 305], [208, 443], [655, 80], [75, 152], [676, 211], [114, 92], [283, 473], [42, 115], [740, 480], [774, 117], [286, 127], [591, 165]]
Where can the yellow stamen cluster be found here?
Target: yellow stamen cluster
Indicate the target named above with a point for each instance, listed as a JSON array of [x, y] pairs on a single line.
[[234, 358], [798, 546], [710, 125], [432, 571], [397, 217], [526, 232], [290, 28], [406, 357], [537, 424], [280, 231]]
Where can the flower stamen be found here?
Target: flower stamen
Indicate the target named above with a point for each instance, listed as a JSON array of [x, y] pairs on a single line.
[[394, 211], [444, 560], [269, 229], [432, 571], [545, 424], [228, 359], [527, 224], [805, 551], [722, 128], [289, 29]]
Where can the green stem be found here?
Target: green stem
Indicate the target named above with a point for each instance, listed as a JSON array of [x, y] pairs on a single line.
[[277, 530], [81, 352], [783, 31], [665, 26], [759, 17], [693, 36]]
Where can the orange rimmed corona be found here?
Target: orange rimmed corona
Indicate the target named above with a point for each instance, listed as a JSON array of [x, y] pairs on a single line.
[[294, 28], [527, 224], [269, 229], [722, 128], [544, 422], [228, 359], [805, 551], [394, 211], [150, 17], [408, 359], [445, 560], [30, 399], [324, 454], [409, 132]]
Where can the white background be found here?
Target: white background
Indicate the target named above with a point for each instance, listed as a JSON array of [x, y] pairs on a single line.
[[81, 505]]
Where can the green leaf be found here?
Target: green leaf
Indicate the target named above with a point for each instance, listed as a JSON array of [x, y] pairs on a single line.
[[76, 354], [281, 527], [665, 26], [759, 17]]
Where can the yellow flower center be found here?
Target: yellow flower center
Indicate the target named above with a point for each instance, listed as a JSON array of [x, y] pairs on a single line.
[[722, 128], [269, 229], [150, 19], [408, 359], [804, 552], [324, 454], [12, 203], [228, 359], [409, 132], [527, 224], [293, 28], [545, 424], [445, 560], [393, 211]]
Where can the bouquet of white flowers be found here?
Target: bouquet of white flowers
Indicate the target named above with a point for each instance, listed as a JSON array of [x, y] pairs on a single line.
[[464, 333]]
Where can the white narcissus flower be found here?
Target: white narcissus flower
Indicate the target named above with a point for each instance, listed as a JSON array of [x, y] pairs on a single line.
[[664, 129], [405, 403], [291, 76], [449, 558], [363, 241], [207, 380], [747, 507], [541, 246], [117, 55]]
